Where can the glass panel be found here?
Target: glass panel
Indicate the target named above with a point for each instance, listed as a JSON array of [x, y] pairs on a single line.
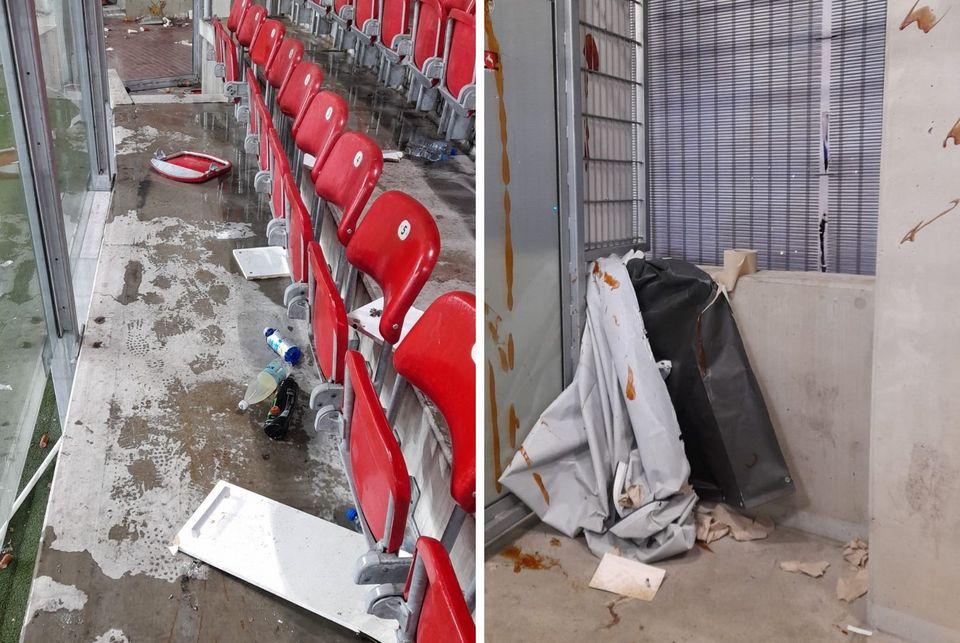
[[58, 46], [22, 324]]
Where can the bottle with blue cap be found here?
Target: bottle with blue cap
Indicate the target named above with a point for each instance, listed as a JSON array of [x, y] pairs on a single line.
[[288, 352], [354, 517]]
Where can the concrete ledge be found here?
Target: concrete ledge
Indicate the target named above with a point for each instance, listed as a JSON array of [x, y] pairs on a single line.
[[909, 627]]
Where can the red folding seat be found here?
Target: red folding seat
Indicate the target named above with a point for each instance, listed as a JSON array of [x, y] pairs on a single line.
[[253, 18], [225, 52], [458, 80], [289, 55], [328, 324], [238, 10], [264, 47], [433, 607], [279, 168], [394, 42], [299, 237], [429, 38], [436, 358], [366, 30], [346, 180], [317, 129], [299, 89]]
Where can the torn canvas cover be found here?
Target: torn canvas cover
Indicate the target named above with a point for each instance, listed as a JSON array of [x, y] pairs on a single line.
[[606, 456]]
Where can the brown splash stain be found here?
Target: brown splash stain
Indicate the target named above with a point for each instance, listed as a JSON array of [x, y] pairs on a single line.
[[505, 349], [494, 331], [610, 281], [504, 360], [526, 457], [924, 17], [493, 46], [954, 134], [591, 56], [514, 424], [543, 489], [616, 320], [554, 542], [614, 617], [523, 560], [596, 267], [704, 546], [510, 351], [494, 426], [912, 233], [631, 390]]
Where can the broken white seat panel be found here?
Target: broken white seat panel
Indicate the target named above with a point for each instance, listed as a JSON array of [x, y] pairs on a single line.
[[366, 319], [298, 557], [262, 263]]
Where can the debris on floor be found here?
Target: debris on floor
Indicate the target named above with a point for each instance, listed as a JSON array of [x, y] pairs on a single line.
[[190, 167], [627, 577], [856, 553], [850, 588], [812, 569], [853, 629], [716, 522]]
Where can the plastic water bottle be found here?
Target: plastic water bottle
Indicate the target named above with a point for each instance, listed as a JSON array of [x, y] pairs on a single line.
[[289, 352], [354, 518], [263, 384]]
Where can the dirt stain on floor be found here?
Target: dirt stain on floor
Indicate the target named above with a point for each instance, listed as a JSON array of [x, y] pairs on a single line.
[[525, 560]]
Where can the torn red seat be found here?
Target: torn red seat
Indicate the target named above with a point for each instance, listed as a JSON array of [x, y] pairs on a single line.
[[264, 47], [190, 167], [429, 39], [299, 89], [346, 181], [436, 358], [458, 79], [434, 608], [250, 25], [394, 41], [318, 127]]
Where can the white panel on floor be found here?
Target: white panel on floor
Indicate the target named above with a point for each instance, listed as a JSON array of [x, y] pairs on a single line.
[[289, 553], [262, 263]]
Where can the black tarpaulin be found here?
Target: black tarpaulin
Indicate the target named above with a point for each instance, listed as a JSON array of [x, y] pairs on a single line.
[[729, 439]]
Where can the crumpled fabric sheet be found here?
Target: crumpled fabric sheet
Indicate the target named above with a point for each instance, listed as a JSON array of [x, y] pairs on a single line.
[[606, 457]]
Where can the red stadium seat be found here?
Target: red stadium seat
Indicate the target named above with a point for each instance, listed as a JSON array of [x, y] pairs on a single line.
[[433, 599], [250, 25], [394, 41], [299, 89], [328, 323], [347, 178], [457, 84], [265, 45], [288, 57], [318, 127], [238, 10]]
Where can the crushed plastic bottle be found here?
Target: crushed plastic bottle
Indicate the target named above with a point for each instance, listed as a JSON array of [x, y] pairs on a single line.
[[289, 352], [432, 150], [263, 384]]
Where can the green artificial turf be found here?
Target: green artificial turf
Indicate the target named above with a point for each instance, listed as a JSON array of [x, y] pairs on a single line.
[[23, 536]]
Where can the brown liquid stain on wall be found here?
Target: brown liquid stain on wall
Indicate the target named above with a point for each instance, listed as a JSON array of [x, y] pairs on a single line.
[[513, 426], [526, 457], [492, 394], [611, 281], [924, 17], [543, 489], [523, 560], [505, 348], [591, 57], [954, 134], [631, 390], [912, 233], [493, 45]]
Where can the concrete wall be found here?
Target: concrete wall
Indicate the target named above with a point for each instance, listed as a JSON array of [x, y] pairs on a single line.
[[915, 433], [809, 337]]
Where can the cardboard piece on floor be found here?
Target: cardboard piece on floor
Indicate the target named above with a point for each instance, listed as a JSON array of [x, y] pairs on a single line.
[[627, 577], [366, 319], [812, 569], [289, 553], [262, 263]]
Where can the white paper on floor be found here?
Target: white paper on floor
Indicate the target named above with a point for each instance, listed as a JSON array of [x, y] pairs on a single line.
[[298, 557], [606, 456], [262, 263], [627, 577]]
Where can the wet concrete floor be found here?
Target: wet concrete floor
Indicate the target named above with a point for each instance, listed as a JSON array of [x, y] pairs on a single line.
[[174, 335]]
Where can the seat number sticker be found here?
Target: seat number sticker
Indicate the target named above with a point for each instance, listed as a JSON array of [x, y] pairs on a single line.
[[404, 230], [357, 159]]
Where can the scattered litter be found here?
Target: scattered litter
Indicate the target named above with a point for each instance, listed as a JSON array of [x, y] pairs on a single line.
[[736, 263], [743, 528], [856, 553], [278, 344], [109, 48], [708, 529], [627, 577], [132, 31], [6, 560], [814, 570], [265, 383], [431, 150], [5, 387], [44, 441], [7, 263], [392, 155], [853, 629], [262, 263], [167, 22], [185, 42], [851, 588]]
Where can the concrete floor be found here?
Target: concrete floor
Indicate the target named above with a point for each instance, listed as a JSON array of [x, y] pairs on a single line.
[[174, 335], [735, 593], [157, 52]]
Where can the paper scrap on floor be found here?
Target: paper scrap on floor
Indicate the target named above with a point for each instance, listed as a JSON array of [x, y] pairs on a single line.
[[815, 569], [627, 577], [856, 552], [850, 588]]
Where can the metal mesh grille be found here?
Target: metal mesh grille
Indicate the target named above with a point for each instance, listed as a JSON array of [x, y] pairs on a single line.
[[734, 94], [614, 174]]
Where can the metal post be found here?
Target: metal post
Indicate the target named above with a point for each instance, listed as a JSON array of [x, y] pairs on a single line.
[[197, 40], [96, 101]]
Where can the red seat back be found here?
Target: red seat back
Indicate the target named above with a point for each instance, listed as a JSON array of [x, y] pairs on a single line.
[[394, 20], [340, 4], [226, 53], [460, 69], [348, 177], [397, 244], [364, 10], [237, 12], [299, 89], [268, 40], [299, 230], [279, 170], [435, 356], [319, 126], [250, 25], [257, 106], [379, 471], [444, 615], [328, 318], [289, 55]]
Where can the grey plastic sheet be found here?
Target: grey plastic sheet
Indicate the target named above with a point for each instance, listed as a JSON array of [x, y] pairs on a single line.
[[606, 457]]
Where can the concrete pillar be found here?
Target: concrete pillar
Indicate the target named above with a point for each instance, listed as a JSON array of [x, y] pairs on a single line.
[[915, 425]]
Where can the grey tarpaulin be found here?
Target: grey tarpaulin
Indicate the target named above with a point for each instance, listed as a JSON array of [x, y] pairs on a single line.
[[606, 456]]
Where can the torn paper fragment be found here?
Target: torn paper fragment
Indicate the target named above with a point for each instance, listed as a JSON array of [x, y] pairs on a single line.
[[856, 553], [708, 529], [627, 577], [743, 528], [632, 498], [815, 570], [850, 588]]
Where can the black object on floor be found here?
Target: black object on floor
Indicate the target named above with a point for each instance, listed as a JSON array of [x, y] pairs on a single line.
[[727, 433], [278, 419]]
